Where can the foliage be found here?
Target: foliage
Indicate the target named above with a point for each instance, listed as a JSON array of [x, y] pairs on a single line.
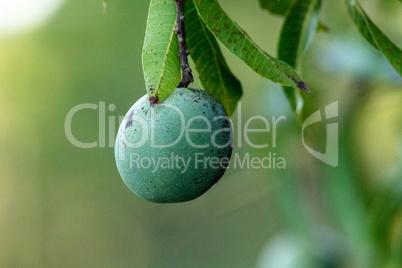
[[298, 29], [213, 71], [277, 7], [64, 206], [374, 35], [207, 22], [159, 56]]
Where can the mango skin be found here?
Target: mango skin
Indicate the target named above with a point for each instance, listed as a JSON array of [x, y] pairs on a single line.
[[169, 181]]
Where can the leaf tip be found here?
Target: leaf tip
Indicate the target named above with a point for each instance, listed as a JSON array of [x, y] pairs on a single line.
[[301, 85]]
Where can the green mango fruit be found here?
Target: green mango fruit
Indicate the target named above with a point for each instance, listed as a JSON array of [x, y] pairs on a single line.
[[176, 150]]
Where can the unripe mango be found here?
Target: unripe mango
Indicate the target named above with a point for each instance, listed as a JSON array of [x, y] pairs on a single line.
[[176, 150]]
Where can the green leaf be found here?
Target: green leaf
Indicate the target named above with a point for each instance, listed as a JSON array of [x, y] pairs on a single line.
[[374, 35], [279, 7], [237, 42], [159, 56], [299, 27], [213, 71]]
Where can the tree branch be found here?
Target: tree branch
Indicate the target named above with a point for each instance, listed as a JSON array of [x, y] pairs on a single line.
[[186, 76]]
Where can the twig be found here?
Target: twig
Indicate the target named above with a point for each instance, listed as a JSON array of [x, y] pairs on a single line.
[[186, 76]]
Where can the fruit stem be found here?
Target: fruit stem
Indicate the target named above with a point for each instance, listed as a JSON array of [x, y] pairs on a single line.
[[186, 76]]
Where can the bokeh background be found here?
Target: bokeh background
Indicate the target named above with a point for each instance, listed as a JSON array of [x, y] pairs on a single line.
[[64, 206]]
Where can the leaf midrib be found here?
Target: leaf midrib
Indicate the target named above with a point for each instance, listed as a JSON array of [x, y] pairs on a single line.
[[216, 60], [166, 58]]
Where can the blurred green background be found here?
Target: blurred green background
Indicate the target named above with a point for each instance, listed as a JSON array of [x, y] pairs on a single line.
[[64, 206]]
